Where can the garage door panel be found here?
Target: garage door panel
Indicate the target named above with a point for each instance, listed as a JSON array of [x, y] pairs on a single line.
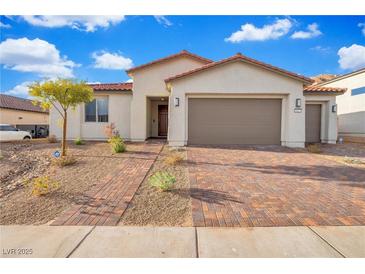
[[234, 121]]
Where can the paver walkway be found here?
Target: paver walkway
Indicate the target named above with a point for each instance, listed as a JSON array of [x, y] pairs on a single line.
[[273, 186], [106, 202]]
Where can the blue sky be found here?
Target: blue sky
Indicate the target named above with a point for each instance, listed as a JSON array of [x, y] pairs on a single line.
[[98, 49]]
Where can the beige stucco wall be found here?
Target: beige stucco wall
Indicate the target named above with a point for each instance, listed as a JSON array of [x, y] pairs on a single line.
[[19, 117], [242, 80], [351, 109], [149, 81], [119, 114]]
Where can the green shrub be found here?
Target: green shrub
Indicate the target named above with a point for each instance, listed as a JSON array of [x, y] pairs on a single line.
[[52, 139], [117, 144], [314, 148], [79, 142], [42, 185], [162, 180], [64, 161]]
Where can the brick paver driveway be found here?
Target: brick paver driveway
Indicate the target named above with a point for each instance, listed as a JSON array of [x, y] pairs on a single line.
[[273, 186], [106, 202]]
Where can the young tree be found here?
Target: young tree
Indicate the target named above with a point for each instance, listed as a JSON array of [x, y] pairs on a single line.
[[61, 94]]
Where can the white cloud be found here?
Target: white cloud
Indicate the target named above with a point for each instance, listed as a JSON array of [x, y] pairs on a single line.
[[362, 26], [321, 49], [107, 60], [4, 26], [36, 56], [352, 57], [312, 31], [86, 23], [249, 32], [163, 20], [130, 80], [20, 90]]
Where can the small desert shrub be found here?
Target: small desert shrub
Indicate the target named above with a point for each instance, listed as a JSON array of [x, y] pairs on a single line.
[[162, 180], [64, 161], [173, 159], [117, 144], [52, 139], [314, 148], [42, 185], [353, 161], [79, 142]]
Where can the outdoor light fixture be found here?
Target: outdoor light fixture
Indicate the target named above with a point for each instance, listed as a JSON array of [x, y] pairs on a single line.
[[298, 103], [334, 108], [177, 101]]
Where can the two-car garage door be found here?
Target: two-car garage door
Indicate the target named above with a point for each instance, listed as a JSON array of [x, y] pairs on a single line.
[[234, 121]]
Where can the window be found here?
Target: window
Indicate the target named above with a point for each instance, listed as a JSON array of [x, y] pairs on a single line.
[[358, 91], [8, 128], [97, 110]]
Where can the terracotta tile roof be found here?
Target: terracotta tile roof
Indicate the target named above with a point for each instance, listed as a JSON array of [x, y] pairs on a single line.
[[239, 56], [12, 102], [340, 77], [112, 86], [324, 90], [181, 53]]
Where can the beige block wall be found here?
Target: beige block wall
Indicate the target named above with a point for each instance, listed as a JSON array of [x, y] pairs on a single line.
[[20, 117], [351, 109], [119, 113], [149, 82], [238, 80]]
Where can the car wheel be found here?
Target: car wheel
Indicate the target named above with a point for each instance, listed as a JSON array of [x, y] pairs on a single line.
[[26, 138]]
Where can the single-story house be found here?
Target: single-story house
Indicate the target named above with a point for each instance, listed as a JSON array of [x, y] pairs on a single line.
[[22, 114], [192, 100], [351, 105]]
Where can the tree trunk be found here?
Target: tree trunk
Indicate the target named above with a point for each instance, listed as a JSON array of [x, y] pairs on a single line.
[[64, 134]]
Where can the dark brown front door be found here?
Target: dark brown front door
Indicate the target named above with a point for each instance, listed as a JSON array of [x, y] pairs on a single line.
[[312, 123], [162, 120]]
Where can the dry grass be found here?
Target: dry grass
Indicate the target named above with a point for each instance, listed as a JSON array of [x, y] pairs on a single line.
[[52, 139], [353, 161], [68, 160], [314, 148], [174, 159]]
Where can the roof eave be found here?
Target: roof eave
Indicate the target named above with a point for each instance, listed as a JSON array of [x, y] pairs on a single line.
[[303, 79]]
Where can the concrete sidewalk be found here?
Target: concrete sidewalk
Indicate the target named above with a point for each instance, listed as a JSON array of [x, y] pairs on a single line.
[[180, 242]]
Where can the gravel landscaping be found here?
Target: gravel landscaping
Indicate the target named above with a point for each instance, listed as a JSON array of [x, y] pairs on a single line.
[[25, 160], [152, 207]]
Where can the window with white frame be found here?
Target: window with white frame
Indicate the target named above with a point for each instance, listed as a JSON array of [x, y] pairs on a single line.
[[97, 110]]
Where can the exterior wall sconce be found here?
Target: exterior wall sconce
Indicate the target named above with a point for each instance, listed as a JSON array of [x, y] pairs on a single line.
[[298, 103], [176, 101], [334, 108]]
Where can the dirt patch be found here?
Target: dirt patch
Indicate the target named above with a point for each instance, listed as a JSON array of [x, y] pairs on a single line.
[[350, 154], [150, 206], [22, 161]]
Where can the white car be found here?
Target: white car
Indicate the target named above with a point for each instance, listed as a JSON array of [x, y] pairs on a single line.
[[10, 133]]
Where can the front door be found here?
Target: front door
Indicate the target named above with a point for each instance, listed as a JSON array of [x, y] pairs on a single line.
[[162, 120]]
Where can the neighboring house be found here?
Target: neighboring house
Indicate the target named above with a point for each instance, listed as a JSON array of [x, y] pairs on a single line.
[[192, 100], [22, 114], [351, 105]]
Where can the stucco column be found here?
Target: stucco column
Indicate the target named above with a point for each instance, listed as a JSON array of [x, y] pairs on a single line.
[[295, 126], [138, 118]]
